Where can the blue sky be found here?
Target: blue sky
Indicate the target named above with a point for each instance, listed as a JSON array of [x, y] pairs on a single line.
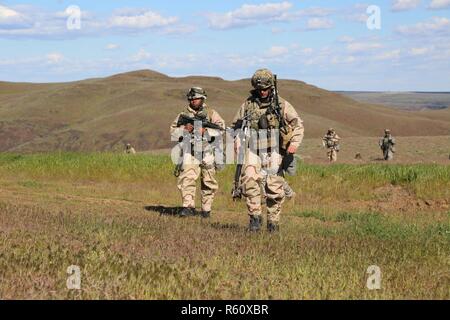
[[324, 43]]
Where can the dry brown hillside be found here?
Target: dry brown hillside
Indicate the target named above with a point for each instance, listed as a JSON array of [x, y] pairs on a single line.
[[137, 107]]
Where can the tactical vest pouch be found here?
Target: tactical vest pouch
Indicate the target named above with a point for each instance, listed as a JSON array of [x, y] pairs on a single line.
[[263, 123], [272, 121], [286, 135], [254, 124]]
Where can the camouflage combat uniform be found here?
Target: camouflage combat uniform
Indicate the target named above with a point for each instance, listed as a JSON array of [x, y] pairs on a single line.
[[331, 142], [129, 149], [265, 165], [202, 166], [387, 145]]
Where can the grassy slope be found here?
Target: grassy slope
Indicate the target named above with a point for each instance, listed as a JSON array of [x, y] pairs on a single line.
[[85, 115], [89, 210], [403, 100]]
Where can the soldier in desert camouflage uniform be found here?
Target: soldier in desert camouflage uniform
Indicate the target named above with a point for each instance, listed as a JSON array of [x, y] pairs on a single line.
[[194, 166], [331, 142], [264, 165], [129, 149], [387, 145]]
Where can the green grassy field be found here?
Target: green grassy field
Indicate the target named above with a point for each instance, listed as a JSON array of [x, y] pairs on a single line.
[[102, 212]]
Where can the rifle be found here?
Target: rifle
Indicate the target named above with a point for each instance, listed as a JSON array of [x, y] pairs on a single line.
[[178, 169], [184, 120], [244, 125], [275, 108]]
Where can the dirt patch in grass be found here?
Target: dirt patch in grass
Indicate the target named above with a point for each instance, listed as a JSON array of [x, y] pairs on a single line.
[[397, 198]]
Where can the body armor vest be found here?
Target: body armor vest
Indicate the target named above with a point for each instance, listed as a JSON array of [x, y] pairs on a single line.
[[259, 115]]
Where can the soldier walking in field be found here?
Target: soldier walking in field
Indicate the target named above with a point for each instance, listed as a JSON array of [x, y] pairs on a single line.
[[331, 142], [273, 123], [129, 149], [387, 145], [197, 163]]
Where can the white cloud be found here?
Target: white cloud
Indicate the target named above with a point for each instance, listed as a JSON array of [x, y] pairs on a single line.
[[7, 13], [343, 60], [140, 19], [39, 24], [439, 4], [277, 51], [319, 24], [435, 26], [357, 13], [356, 47], [54, 58], [277, 30], [307, 51], [315, 12], [419, 51], [346, 39], [318, 57], [10, 18], [142, 55], [250, 14], [389, 55], [179, 29], [22, 61], [403, 5], [358, 17], [31, 63], [112, 46], [28, 21]]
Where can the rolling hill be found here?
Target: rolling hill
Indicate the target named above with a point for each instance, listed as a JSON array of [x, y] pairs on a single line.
[[404, 100], [137, 107]]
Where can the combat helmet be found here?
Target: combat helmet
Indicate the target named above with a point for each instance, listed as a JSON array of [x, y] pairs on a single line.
[[196, 93], [263, 79], [387, 131]]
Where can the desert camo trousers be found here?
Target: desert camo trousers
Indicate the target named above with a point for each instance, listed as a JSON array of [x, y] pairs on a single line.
[[187, 181], [388, 154], [332, 155], [255, 171]]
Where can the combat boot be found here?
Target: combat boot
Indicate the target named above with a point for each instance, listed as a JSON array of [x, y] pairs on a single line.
[[186, 212], [255, 223], [273, 227], [206, 214]]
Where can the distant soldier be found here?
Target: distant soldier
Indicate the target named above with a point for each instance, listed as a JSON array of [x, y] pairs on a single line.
[[331, 142], [196, 165], [387, 145], [129, 149]]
